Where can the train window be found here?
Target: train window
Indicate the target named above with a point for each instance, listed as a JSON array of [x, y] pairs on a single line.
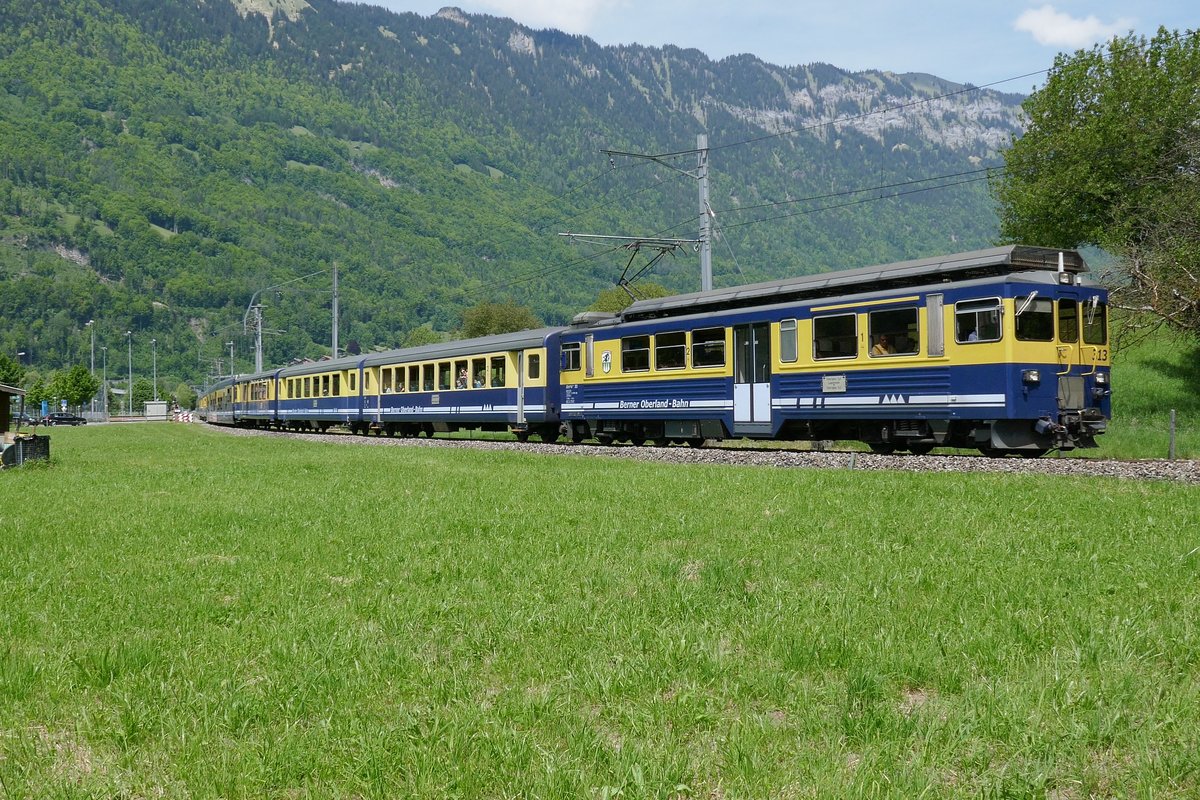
[[708, 348], [635, 354], [535, 366], [324, 386], [977, 320], [354, 380], [385, 382], [498, 372], [670, 350], [288, 388], [443, 370], [835, 337], [1068, 320], [893, 332], [337, 384], [414, 378], [479, 372], [1095, 328], [570, 357], [788, 346], [462, 378], [1035, 318], [308, 387], [427, 377]]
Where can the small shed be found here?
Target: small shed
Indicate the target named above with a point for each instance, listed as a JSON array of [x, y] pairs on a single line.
[[7, 393], [14, 449]]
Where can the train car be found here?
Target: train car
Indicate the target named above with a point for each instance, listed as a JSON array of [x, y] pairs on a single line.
[[502, 383], [497, 383], [1002, 350], [216, 406], [316, 395]]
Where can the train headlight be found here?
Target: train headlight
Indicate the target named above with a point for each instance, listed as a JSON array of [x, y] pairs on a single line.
[[1032, 376], [1102, 379]]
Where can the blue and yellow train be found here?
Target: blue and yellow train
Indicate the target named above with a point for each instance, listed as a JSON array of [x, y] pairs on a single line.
[[1004, 350]]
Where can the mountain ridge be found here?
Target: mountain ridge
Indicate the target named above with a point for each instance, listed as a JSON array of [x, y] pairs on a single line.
[[197, 152]]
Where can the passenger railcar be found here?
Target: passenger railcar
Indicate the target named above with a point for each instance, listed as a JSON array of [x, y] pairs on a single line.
[[1003, 350], [490, 383]]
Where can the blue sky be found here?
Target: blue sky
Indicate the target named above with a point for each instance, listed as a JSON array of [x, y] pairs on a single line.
[[967, 41]]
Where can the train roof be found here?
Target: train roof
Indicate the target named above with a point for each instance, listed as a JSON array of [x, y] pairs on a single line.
[[959, 266], [463, 347]]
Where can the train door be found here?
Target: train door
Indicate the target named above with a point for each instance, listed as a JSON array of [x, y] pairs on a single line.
[[752, 378], [520, 388], [1070, 382]]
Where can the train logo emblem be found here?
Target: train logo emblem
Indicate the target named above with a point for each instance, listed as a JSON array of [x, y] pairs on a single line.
[[606, 361]]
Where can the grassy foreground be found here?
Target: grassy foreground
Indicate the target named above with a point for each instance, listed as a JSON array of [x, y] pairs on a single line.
[[188, 614]]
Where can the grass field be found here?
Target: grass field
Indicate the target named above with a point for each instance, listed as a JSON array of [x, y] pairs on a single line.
[[190, 614], [1150, 379]]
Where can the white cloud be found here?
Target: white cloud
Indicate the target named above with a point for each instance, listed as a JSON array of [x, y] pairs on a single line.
[[571, 16], [1049, 26]]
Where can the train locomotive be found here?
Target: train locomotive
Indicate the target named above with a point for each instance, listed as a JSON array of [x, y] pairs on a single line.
[[1004, 350]]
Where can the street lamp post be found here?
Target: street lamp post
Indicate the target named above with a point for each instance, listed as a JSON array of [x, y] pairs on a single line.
[[92, 369], [104, 383], [129, 394], [154, 365]]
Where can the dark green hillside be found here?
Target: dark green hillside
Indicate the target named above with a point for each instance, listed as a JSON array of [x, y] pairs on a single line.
[[160, 162]]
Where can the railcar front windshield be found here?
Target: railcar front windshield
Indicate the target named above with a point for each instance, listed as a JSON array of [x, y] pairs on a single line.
[[1095, 322], [1035, 319]]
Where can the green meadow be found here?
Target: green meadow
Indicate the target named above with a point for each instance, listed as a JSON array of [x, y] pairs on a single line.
[[187, 613]]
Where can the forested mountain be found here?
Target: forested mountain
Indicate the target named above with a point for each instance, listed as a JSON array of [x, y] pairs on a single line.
[[161, 161]]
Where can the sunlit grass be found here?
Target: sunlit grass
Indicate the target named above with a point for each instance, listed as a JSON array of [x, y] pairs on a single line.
[[192, 614]]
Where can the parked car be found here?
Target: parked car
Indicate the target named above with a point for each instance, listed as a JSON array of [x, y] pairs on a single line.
[[64, 418], [25, 421]]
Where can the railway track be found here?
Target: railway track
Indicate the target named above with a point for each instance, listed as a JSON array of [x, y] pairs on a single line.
[[1179, 471]]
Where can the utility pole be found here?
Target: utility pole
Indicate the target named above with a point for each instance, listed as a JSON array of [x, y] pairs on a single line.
[[154, 365], [704, 243], [231, 369], [253, 318], [129, 394], [705, 213], [335, 310], [92, 371], [104, 384], [256, 320]]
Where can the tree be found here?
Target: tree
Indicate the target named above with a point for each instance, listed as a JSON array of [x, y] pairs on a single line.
[[618, 299], [422, 335], [11, 372], [185, 396], [75, 385], [143, 392], [486, 319], [1111, 158]]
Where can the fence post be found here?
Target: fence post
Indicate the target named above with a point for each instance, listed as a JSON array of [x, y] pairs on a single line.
[[1171, 439]]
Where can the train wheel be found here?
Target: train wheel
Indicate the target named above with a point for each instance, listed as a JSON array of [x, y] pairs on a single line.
[[695, 442], [920, 449], [1038, 453], [662, 442], [638, 441], [522, 436], [605, 439], [549, 435], [882, 448]]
